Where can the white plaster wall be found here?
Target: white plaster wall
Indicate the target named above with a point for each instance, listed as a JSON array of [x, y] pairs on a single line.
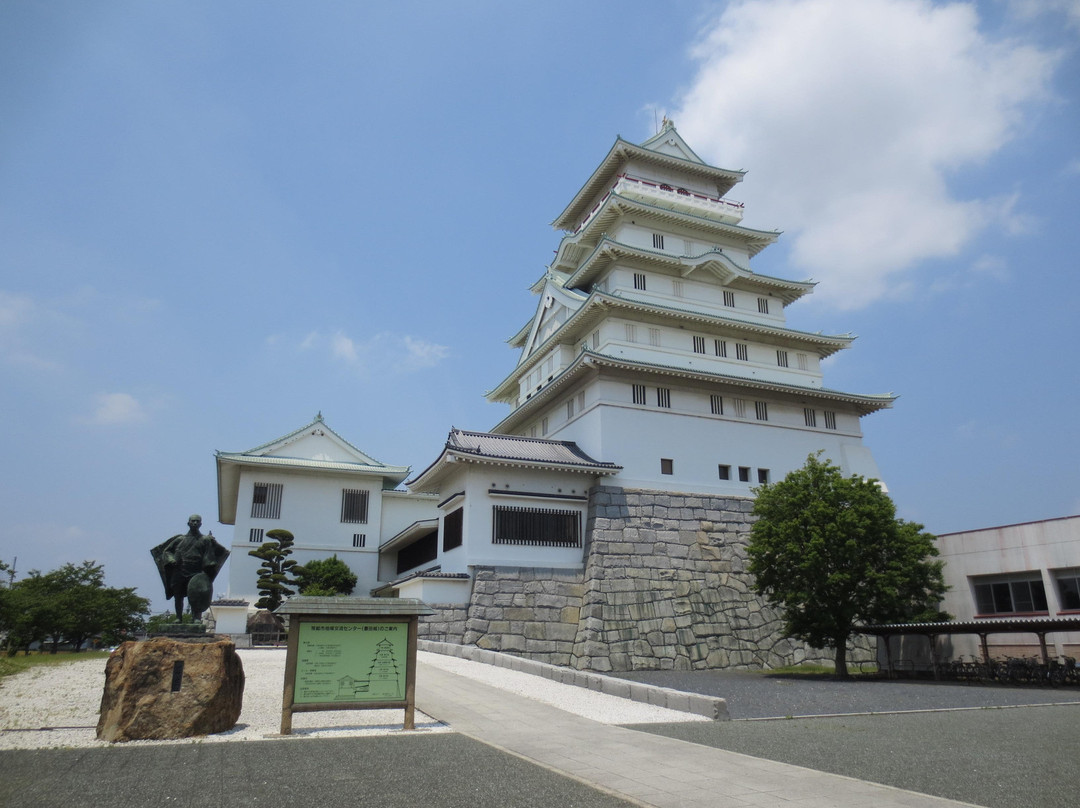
[[638, 437], [435, 590], [477, 548], [400, 509], [311, 511]]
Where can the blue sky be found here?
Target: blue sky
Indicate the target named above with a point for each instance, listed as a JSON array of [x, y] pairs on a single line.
[[217, 219]]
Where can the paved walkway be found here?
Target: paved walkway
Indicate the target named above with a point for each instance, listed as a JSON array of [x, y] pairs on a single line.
[[647, 769]]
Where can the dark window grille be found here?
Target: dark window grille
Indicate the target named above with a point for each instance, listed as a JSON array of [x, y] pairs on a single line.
[[359, 539], [535, 526], [266, 501], [354, 506], [452, 524], [255, 535]]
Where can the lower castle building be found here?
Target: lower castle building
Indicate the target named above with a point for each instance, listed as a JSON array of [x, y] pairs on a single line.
[[603, 522]]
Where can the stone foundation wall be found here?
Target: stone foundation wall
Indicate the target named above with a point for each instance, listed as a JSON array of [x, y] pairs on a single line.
[[664, 587], [446, 625], [526, 611]]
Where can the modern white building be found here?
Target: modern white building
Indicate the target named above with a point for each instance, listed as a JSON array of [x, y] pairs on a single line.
[[334, 499], [1025, 572]]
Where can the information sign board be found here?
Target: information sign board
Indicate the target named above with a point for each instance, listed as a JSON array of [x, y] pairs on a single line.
[[350, 654], [351, 662]]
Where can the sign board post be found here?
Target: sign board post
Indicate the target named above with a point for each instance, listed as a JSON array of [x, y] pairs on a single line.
[[350, 654]]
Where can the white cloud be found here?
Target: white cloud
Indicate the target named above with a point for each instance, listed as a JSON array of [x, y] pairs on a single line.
[[385, 352], [113, 409], [849, 118]]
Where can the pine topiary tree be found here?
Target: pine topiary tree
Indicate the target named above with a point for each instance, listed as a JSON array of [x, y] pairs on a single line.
[[325, 577], [275, 574]]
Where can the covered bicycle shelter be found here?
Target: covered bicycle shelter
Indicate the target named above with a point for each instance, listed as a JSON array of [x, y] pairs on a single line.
[[1038, 626]]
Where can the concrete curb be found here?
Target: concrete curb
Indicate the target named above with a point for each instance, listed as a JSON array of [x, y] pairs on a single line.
[[711, 707]]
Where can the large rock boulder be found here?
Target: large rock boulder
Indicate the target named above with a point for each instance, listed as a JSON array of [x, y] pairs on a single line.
[[166, 689]]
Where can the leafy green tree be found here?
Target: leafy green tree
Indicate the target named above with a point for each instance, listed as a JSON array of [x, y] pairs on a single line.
[[831, 553], [70, 604], [275, 573], [325, 577]]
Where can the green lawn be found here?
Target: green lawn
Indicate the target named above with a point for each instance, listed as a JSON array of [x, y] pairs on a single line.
[[17, 664]]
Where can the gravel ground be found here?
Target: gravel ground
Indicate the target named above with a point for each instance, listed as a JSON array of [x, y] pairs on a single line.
[[57, 706]]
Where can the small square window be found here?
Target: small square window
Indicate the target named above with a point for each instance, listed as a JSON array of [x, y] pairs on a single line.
[[761, 410], [810, 416], [763, 476], [720, 347], [663, 397], [781, 359], [667, 465], [658, 241], [830, 419], [763, 305], [359, 539], [725, 472], [744, 474], [716, 404], [638, 393], [639, 280], [742, 351], [699, 345], [255, 535], [729, 298]]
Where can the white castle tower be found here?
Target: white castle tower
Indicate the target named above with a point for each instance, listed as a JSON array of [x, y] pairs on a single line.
[[655, 346]]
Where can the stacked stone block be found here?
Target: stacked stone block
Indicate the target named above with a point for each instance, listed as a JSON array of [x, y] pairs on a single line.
[[526, 611], [446, 625]]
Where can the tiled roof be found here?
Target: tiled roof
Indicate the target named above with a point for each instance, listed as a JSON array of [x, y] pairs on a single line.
[[510, 450], [530, 450]]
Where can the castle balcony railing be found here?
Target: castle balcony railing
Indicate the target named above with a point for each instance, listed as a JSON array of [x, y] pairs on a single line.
[[672, 198]]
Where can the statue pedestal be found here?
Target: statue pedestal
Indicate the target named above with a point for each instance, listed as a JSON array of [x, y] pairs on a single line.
[[168, 689]]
